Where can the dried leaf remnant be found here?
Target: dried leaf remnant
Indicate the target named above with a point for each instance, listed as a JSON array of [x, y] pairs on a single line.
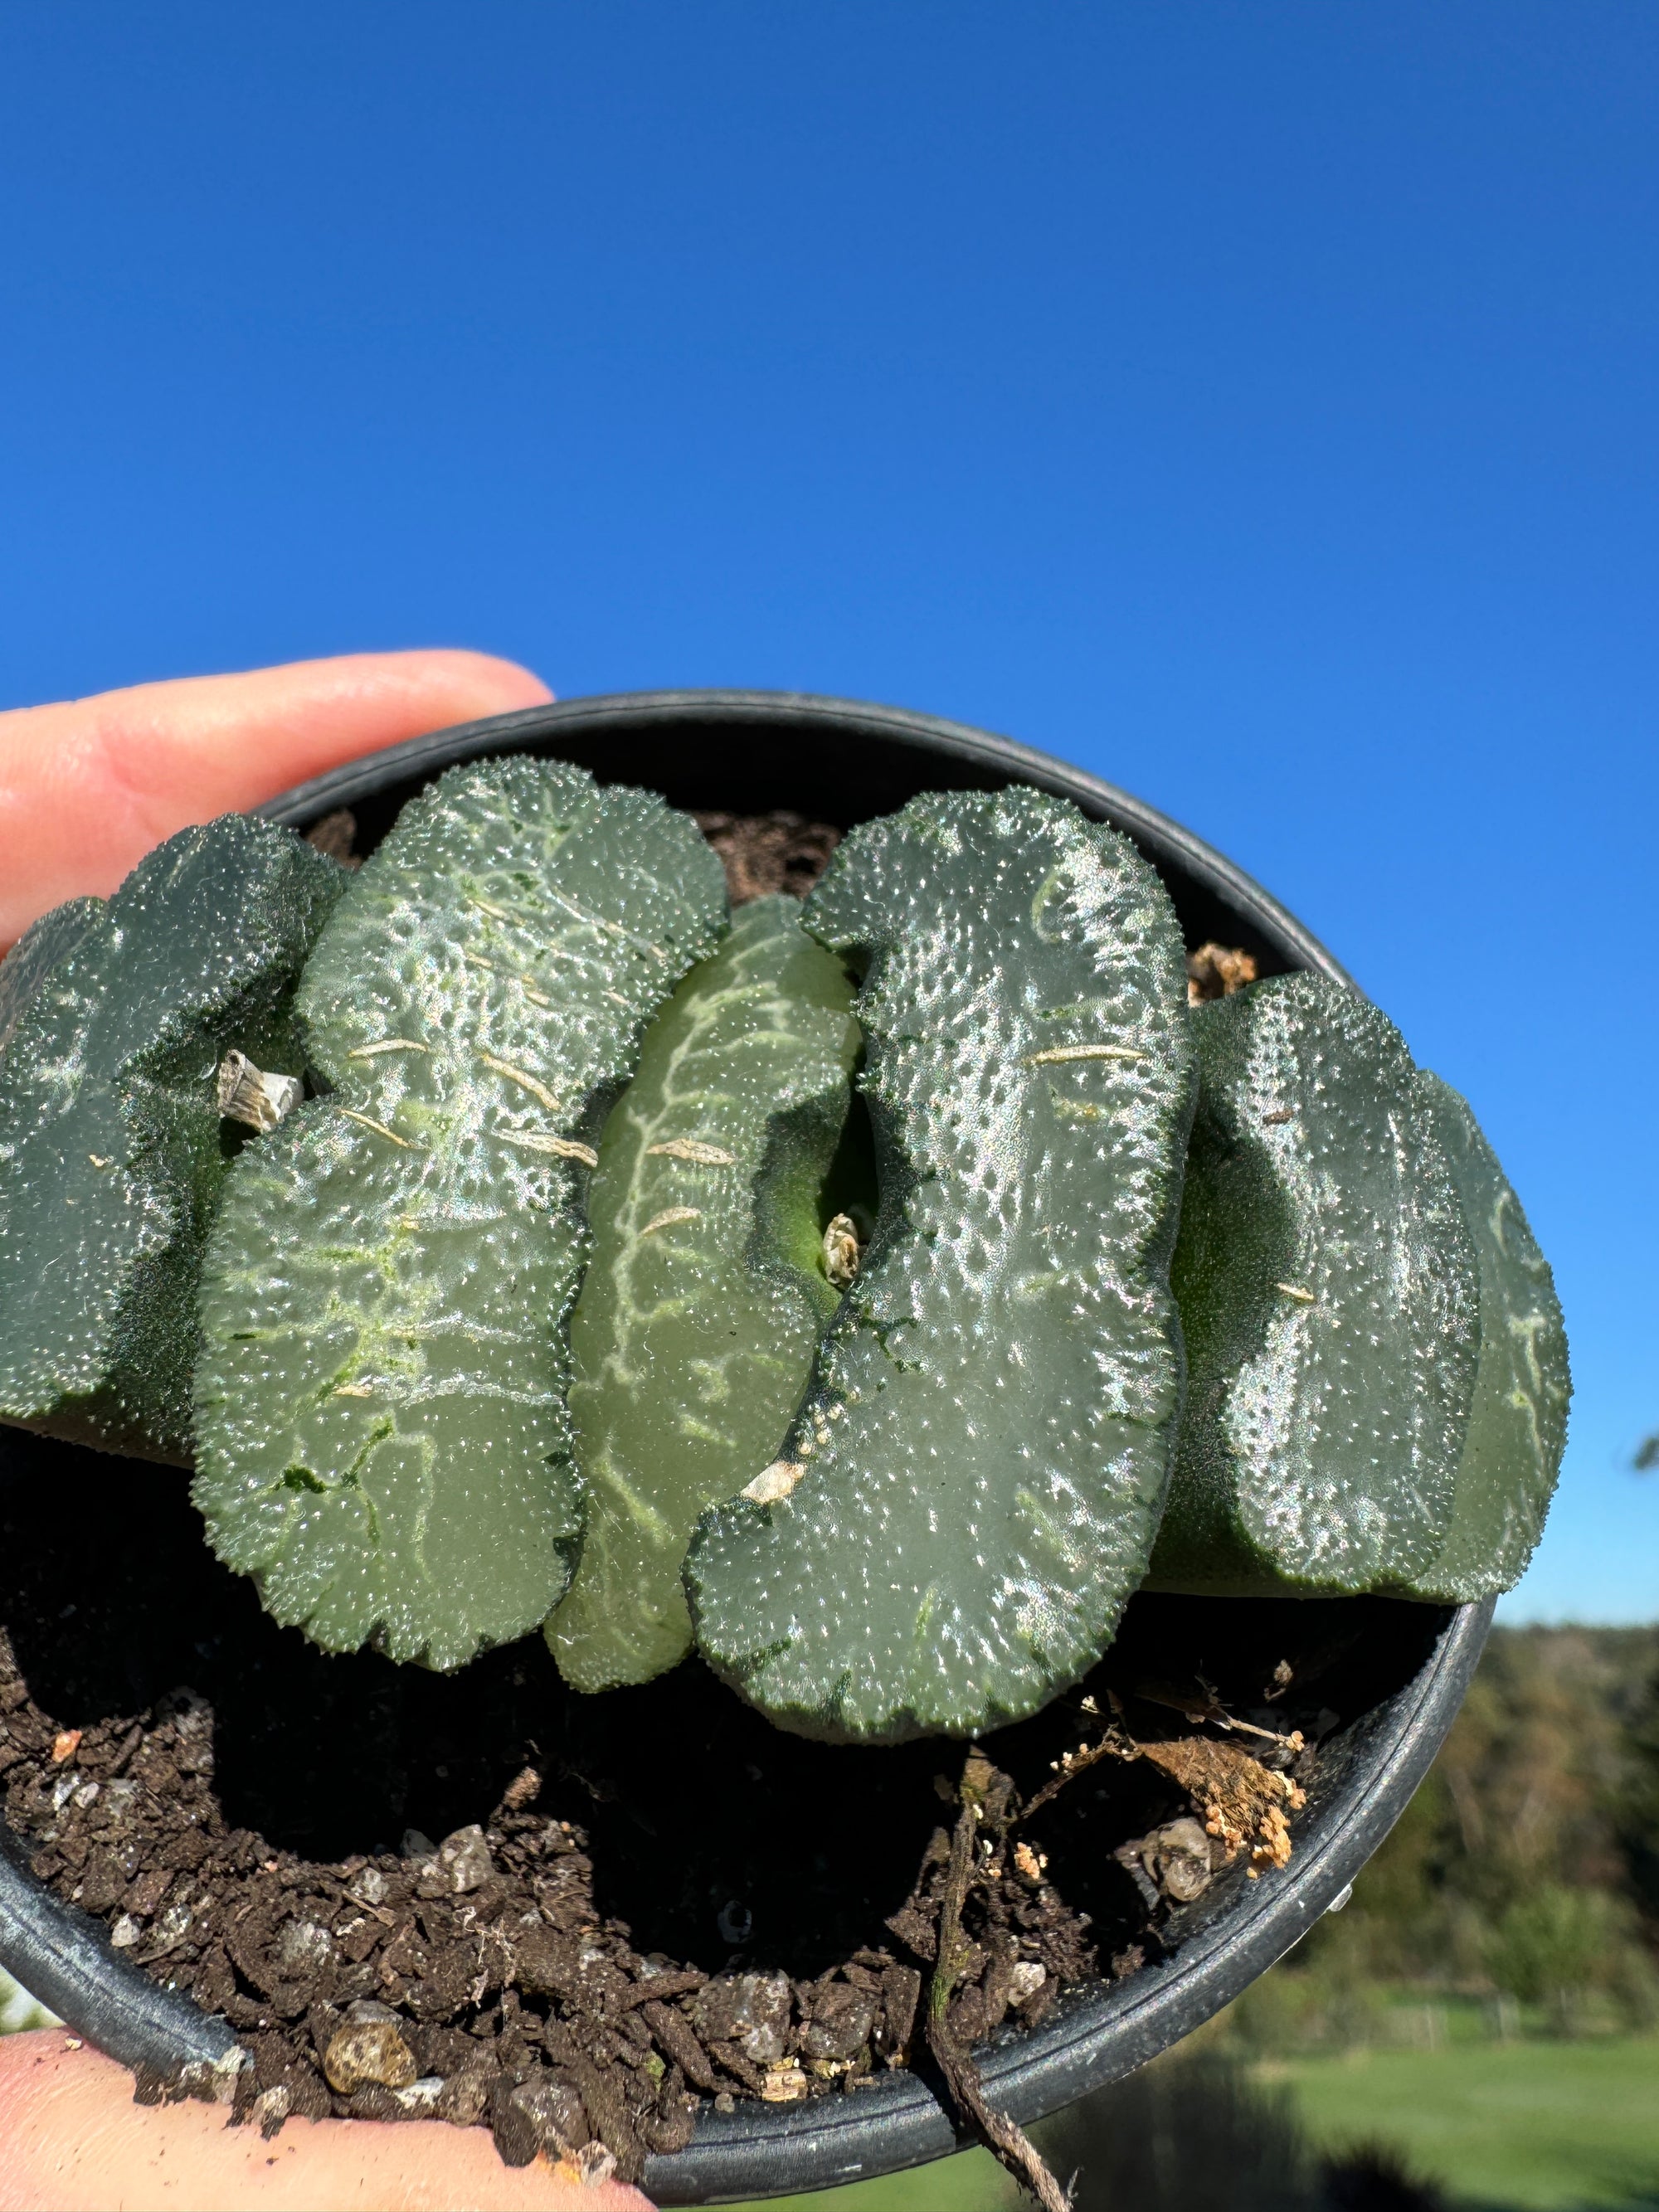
[[1216, 971]]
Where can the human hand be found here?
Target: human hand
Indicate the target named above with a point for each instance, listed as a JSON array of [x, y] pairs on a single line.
[[88, 786], [72, 2140], [86, 789]]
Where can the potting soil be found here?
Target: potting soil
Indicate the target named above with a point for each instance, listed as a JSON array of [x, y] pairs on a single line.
[[569, 1917]]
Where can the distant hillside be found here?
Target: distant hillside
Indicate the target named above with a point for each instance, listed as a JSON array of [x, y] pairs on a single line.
[[1527, 1867]]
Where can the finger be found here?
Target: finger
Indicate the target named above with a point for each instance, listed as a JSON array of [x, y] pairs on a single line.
[[88, 786], [72, 2140]]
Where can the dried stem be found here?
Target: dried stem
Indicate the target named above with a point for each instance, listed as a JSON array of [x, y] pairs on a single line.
[[1115, 1744], [1207, 1710], [1001, 2136], [1204, 1711]]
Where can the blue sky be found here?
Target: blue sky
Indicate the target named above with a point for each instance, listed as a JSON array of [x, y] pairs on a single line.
[[1255, 404]]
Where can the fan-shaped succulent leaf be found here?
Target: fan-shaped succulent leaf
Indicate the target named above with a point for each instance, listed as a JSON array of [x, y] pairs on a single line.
[[41, 950], [1328, 1298], [706, 1295], [1518, 1428], [114, 1018], [970, 1492], [381, 1427]]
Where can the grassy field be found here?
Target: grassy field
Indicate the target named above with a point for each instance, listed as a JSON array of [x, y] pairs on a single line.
[[1531, 2127], [970, 2182], [18, 2009], [1515, 2127]]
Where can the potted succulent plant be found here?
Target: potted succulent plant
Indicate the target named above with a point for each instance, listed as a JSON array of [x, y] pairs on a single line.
[[509, 1239]]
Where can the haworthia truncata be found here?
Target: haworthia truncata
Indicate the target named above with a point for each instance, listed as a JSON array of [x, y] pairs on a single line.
[[971, 1492], [1328, 1297], [114, 1015], [706, 1295], [1518, 1429], [381, 1427]]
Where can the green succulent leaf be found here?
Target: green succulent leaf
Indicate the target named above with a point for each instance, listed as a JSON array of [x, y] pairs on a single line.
[[382, 1433], [706, 1295], [1518, 1429], [30, 965], [114, 1015], [1329, 1295], [970, 1492]]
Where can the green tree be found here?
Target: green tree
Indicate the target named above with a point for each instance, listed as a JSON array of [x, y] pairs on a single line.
[[1553, 1947]]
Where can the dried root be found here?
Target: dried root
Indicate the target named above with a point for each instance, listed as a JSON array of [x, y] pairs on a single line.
[[1002, 2137]]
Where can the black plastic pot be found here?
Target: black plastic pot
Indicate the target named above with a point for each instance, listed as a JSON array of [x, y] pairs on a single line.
[[841, 762]]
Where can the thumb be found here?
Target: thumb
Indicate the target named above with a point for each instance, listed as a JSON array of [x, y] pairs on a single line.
[[72, 2140], [88, 786]]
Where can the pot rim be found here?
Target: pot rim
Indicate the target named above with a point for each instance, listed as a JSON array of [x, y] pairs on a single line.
[[1099, 2031]]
